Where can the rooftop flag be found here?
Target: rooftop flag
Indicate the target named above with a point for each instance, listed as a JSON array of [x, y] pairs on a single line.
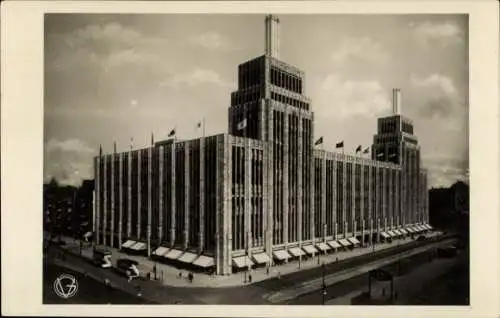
[[242, 124], [171, 133], [339, 144], [319, 141]]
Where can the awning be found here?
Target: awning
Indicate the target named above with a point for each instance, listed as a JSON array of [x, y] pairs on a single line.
[[323, 246], [334, 244], [410, 230], [128, 244], [160, 251], [173, 254], [398, 233], [296, 251], [430, 227], [242, 261], [204, 261], [385, 235], [139, 246], [403, 231], [309, 249], [261, 258], [418, 228], [281, 255], [187, 258], [354, 241], [391, 233], [344, 242]]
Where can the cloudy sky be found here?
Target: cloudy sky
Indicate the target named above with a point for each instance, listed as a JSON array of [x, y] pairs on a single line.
[[116, 77]]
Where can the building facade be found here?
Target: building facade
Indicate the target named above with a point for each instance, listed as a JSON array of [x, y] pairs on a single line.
[[262, 193]]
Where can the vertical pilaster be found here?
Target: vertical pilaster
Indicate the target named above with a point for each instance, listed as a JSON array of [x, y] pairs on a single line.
[[120, 200], [105, 201], [313, 198], [334, 193], [201, 239], [129, 194], [228, 208], [285, 176], [173, 187], [97, 199], [376, 210], [362, 199], [161, 194], [270, 185], [150, 199], [112, 237], [247, 193], [353, 198], [187, 202], [139, 194], [384, 196], [323, 196], [370, 205], [344, 195], [300, 174]]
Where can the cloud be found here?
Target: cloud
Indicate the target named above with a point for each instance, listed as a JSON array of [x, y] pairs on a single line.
[[68, 161], [441, 96], [212, 41], [444, 170], [347, 98], [364, 48], [444, 33], [194, 78]]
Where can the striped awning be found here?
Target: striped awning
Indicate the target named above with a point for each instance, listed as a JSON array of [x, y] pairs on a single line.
[[261, 258], [296, 251], [391, 233], [334, 244], [344, 242], [160, 251], [385, 235], [418, 228], [403, 231], [281, 255], [323, 246], [128, 243], [430, 227], [242, 261], [187, 257], [139, 246], [309, 249], [410, 230], [397, 232], [173, 254], [354, 240], [204, 261]]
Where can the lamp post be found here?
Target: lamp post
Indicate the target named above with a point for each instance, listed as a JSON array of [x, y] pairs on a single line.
[[323, 291]]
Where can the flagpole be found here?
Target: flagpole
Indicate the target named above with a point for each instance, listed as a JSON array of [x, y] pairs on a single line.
[[203, 123]]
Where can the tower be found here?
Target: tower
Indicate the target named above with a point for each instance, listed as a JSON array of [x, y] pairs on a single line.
[[395, 142], [270, 106]]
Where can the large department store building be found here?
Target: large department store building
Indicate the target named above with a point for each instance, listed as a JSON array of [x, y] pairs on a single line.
[[262, 193]]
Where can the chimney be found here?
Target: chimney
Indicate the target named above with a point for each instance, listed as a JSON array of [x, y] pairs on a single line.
[[396, 101], [272, 36]]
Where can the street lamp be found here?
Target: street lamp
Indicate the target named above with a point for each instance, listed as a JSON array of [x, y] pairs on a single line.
[[323, 291]]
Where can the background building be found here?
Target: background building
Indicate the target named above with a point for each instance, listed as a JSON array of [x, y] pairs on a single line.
[[262, 193]]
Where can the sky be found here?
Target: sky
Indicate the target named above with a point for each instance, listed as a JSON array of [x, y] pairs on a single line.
[[121, 77]]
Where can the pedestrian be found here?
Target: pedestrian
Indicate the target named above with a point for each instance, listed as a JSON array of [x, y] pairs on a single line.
[[267, 271], [249, 278], [154, 270], [180, 274], [337, 260], [279, 275], [190, 277]]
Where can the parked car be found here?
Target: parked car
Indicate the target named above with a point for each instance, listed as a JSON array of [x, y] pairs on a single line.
[[102, 257], [127, 267]]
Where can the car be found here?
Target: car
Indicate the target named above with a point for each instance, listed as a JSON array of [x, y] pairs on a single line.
[[124, 266], [102, 257], [421, 238]]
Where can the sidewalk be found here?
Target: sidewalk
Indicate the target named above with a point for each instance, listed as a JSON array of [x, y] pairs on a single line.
[[169, 274]]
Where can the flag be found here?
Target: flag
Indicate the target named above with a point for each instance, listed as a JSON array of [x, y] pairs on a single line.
[[199, 125], [242, 124], [319, 141], [131, 143], [358, 149], [171, 133], [366, 150], [114, 147], [100, 150], [152, 139], [392, 155], [380, 154], [339, 144]]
